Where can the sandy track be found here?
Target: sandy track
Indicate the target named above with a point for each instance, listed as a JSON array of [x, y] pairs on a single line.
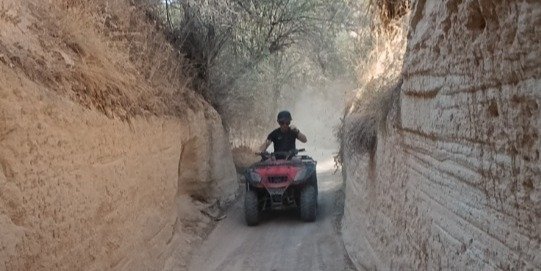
[[281, 241]]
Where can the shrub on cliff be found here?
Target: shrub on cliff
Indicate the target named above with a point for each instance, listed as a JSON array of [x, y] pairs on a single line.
[[382, 40]]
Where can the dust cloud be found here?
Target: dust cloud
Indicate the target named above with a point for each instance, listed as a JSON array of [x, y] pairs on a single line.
[[301, 246], [317, 113]]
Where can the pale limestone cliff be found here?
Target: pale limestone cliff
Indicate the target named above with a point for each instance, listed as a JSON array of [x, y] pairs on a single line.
[[455, 179]]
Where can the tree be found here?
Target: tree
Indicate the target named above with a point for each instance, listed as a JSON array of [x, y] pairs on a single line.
[[254, 52]]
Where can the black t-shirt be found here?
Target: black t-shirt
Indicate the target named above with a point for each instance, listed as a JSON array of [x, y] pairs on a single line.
[[283, 141]]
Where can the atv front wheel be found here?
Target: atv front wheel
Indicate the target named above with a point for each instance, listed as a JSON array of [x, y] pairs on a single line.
[[308, 203], [251, 208]]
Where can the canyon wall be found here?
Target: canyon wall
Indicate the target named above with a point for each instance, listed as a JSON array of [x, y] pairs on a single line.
[[94, 176], [454, 181]]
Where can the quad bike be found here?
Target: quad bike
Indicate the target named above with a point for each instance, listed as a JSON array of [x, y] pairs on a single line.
[[280, 180]]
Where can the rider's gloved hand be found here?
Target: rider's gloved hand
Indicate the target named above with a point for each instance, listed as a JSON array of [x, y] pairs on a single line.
[[294, 129]]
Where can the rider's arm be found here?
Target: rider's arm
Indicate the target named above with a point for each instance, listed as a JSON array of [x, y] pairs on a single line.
[[300, 136], [265, 145]]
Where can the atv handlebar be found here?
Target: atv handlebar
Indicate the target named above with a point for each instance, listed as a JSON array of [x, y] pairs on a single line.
[[287, 154]]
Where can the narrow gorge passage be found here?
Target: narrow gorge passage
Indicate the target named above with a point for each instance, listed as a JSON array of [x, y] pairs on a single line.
[[281, 241], [124, 125]]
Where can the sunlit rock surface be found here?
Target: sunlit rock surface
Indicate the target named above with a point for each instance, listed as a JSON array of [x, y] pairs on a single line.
[[455, 181]]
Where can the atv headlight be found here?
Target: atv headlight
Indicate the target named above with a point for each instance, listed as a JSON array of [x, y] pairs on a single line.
[[254, 177], [300, 174]]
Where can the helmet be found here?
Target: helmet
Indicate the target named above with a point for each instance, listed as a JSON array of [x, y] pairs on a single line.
[[284, 116]]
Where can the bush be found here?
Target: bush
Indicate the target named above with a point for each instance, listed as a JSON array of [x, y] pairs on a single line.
[[381, 43], [390, 10], [359, 130]]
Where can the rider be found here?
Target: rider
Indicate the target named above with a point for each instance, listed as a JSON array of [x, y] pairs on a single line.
[[285, 136]]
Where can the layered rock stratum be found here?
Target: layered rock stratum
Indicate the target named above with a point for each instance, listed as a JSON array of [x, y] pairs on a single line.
[[455, 179]]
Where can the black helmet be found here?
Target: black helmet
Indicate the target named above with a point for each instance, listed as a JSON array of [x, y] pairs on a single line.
[[284, 116]]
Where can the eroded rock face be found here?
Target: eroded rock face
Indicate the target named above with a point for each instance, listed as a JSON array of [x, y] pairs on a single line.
[[206, 168], [84, 186], [455, 181], [79, 190]]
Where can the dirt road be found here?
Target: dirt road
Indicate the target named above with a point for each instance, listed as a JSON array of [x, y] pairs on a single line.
[[281, 241]]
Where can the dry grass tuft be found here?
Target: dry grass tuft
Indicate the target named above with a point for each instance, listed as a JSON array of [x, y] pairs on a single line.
[[383, 41], [389, 11], [109, 55], [359, 130]]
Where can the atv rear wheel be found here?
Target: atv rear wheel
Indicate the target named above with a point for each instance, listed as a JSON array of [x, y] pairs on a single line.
[[251, 208], [308, 202]]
